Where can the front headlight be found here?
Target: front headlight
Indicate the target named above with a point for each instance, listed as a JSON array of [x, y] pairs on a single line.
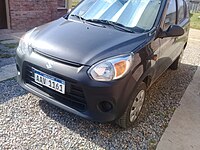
[[24, 43], [111, 69]]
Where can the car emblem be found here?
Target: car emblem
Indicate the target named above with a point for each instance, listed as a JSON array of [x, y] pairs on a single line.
[[49, 65]]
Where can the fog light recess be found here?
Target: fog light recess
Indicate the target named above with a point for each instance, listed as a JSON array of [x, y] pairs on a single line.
[[105, 106]]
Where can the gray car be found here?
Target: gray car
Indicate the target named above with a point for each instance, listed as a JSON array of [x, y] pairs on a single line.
[[99, 59]]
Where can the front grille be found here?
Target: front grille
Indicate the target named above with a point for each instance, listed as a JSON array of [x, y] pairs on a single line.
[[57, 59], [73, 97]]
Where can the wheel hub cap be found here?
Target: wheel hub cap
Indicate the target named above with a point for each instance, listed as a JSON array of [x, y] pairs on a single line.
[[137, 105]]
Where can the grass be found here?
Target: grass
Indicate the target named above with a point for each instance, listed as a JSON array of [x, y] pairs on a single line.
[[152, 144], [74, 3], [11, 45], [7, 50], [4, 40], [6, 55], [195, 20]]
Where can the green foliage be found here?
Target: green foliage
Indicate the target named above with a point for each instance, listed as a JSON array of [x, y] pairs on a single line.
[[195, 20], [74, 2]]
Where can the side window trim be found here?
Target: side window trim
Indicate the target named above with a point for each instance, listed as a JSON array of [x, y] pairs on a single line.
[[178, 11], [165, 15], [186, 9]]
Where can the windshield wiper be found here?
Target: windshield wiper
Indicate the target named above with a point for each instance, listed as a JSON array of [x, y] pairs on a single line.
[[114, 24], [79, 17], [86, 21]]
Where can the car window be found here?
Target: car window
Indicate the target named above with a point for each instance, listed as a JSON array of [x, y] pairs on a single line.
[[186, 13], [130, 13], [170, 18], [181, 12]]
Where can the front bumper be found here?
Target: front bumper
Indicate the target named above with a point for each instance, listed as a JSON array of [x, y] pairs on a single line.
[[98, 101]]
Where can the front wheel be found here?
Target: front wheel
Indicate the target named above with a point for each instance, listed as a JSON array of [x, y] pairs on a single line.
[[134, 108]]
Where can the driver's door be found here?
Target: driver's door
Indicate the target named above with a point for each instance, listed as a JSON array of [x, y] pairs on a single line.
[[168, 44]]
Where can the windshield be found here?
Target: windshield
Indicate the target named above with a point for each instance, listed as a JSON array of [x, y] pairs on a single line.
[[129, 13]]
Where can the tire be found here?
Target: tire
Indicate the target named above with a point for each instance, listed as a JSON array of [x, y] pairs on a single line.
[[127, 120], [175, 64]]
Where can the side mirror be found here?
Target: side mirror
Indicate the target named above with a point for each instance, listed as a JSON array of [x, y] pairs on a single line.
[[172, 31]]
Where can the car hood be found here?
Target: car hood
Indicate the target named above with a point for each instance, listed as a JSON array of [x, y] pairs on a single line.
[[83, 43]]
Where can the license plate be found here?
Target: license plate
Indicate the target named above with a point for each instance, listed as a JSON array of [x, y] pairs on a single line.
[[49, 81]]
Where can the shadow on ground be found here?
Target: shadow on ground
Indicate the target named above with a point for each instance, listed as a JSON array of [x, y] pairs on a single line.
[[162, 100]]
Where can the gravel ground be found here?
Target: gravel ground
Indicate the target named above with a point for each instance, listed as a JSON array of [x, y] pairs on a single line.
[[27, 122], [6, 61]]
